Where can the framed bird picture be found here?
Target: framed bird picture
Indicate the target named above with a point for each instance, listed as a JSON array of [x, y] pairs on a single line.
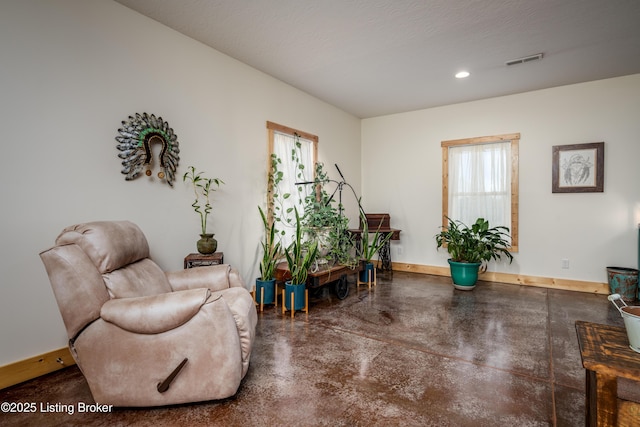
[[578, 168]]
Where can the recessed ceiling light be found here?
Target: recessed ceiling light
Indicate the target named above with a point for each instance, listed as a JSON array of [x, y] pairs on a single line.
[[462, 75]]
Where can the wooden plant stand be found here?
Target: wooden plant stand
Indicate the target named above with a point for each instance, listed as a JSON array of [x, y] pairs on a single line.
[[261, 304], [371, 281], [292, 310]]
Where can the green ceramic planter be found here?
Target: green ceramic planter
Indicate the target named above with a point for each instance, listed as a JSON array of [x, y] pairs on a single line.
[[464, 274]]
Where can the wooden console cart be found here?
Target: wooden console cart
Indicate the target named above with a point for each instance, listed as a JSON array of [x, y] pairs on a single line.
[[336, 275]]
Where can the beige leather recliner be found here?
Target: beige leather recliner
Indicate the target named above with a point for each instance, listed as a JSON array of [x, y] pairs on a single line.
[[131, 326]]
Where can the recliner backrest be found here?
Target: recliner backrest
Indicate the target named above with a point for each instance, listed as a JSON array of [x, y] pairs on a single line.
[[96, 261], [109, 244]]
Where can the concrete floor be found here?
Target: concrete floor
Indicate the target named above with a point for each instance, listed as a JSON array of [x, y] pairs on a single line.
[[412, 352]]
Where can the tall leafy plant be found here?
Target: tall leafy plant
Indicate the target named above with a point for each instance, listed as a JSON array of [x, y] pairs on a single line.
[[271, 253], [300, 256], [202, 188], [370, 247]]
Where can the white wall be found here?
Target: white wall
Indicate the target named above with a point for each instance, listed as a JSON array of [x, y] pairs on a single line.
[[71, 71], [402, 175]]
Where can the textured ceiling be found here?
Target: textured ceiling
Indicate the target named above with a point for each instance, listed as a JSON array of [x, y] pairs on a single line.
[[377, 57]]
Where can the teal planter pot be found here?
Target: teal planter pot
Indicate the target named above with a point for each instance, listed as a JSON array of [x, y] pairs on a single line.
[[367, 272], [464, 274], [269, 287], [623, 281], [298, 296]]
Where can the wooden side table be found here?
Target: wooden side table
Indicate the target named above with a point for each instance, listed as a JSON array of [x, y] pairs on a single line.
[[199, 260], [606, 356]]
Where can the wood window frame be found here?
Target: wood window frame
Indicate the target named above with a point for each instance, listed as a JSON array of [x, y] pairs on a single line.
[[514, 138], [273, 127]]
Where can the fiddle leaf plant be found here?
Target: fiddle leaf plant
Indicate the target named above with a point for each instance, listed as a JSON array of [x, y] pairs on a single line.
[[202, 188]]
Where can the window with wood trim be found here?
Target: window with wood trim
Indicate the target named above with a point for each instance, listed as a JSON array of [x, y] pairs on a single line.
[[292, 156], [480, 180]]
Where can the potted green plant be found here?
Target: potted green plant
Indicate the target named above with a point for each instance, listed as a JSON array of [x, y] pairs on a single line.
[[202, 188], [471, 248], [300, 256], [341, 244], [370, 247], [271, 254], [320, 214], [324, 222]]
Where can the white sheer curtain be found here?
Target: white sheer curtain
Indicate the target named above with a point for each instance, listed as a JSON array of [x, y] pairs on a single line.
[[292, 157], [480, 183]]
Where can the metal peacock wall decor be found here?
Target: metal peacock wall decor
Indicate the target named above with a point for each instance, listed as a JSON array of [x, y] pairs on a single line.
[[136, 136]]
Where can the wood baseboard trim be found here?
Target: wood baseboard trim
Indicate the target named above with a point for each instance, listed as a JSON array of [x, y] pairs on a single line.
[[33, 367], [513, 279]]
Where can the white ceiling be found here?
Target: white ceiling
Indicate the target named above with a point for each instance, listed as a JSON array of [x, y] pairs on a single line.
[[378, 57]]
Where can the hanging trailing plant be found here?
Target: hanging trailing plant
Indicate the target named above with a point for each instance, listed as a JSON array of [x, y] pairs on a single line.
[[319, 206], [278, 209]]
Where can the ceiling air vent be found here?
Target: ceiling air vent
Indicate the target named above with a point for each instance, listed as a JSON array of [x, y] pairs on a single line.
[[529, 58]]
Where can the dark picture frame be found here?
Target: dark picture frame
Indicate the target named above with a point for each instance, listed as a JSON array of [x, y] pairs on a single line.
[[578, 168]]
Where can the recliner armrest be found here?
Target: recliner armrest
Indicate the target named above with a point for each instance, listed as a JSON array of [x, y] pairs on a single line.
[[214, 277], [156, 313]]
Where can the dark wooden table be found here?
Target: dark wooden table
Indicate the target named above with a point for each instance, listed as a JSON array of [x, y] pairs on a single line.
[[385, 251], [606, 356], [380, 222], [199, 260]]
